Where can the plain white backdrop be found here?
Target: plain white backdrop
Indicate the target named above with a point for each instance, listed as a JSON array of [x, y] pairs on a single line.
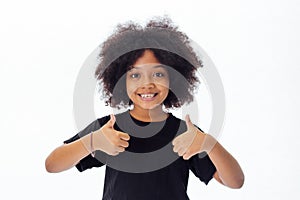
[[255, 46]]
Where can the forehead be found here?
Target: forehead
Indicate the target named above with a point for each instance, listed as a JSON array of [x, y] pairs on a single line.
[[148, 66]]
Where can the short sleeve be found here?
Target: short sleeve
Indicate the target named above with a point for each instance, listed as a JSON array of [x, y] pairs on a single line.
[[202, 167], [89, 161]]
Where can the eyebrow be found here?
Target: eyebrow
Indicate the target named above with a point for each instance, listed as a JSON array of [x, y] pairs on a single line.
[[156, 66]]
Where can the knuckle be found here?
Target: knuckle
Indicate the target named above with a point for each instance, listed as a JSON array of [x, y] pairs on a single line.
[[114, 153]]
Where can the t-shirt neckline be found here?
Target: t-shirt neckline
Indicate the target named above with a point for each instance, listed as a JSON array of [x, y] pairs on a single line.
[[146, 123]]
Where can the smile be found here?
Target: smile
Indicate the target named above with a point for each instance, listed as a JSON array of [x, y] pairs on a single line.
[[147, 97]]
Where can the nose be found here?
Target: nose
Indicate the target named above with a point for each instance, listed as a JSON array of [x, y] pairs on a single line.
[[148, 82], [148, 86]]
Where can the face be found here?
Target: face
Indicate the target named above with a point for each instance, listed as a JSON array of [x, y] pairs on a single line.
[[147, 82]]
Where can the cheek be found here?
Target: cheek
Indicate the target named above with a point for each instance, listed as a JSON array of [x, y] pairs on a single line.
[[130, 87], [166, 90], [167, 87], [168, 84], [165, 84]]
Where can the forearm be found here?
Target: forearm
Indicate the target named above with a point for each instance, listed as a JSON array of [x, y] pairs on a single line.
[[228, 169], [66, 156]]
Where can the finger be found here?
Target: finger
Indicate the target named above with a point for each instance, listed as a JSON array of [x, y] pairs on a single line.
[[123, 136], [186, 157], [177, 140], [112, 120], [176, 148], [114, 153], [188, 122], [119, 149], [181, 151], [188, 154], [122, 143]]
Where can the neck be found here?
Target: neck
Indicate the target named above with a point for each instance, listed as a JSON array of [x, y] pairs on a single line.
[[149, 115]]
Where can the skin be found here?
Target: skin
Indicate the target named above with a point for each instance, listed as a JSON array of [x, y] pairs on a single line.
[[228, 173], [106, 139], [147, 76]]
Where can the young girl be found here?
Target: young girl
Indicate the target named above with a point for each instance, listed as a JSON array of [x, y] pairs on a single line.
[[147, 81]]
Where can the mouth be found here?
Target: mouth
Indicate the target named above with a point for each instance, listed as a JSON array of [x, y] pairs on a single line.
[[148, 96]]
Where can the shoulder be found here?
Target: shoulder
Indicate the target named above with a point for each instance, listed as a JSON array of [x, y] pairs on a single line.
[[173, 118], [102, 120], [175, 124], [184, 123]]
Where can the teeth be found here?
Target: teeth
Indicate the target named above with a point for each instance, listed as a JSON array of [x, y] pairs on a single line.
[[147, 95]]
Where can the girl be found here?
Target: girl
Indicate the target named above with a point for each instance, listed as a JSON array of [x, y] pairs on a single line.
[[147, 81]]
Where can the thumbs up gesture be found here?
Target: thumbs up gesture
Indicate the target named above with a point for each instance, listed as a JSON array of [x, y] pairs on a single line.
[[188, 143], [109, 140]]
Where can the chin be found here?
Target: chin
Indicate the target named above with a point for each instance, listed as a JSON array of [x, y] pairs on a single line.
[[149, 107]]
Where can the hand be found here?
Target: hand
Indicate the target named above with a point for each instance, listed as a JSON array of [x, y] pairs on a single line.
[[109, 140], [190, 142]]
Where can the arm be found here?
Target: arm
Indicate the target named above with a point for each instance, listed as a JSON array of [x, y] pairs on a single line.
[[65, 156], [194, 141], [105, 139], [228, 172]]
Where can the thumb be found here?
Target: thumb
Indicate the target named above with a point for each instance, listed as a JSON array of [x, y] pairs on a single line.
[[124, 136], [188, 122], [112, 121]]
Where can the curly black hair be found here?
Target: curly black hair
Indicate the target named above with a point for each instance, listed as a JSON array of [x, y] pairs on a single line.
[[128, 43]]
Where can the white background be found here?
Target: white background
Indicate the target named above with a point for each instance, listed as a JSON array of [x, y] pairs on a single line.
[[255, 46]]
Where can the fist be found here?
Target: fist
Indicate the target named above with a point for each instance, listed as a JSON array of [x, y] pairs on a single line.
[[109, 140], [188, 143]]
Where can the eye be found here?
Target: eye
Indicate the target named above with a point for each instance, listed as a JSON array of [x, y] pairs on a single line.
[[135, 75], [158, 74]]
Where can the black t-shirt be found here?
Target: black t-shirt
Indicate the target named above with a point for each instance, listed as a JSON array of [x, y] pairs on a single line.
[[167, 182]]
